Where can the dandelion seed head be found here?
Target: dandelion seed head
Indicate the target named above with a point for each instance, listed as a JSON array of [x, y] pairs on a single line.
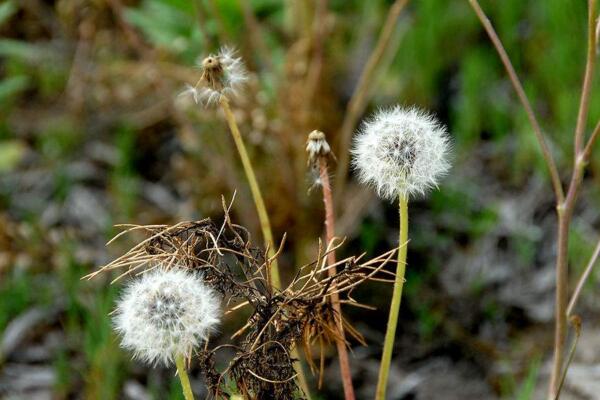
[[401, 152], [166, 313], [222, 74]]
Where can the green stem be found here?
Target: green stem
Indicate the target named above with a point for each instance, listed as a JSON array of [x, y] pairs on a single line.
[[263, 216], [183, 377], [390, 333]]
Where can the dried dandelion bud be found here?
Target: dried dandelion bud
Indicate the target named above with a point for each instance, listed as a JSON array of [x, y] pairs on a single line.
[[401, 152], [222, 74], [317, 146], [166, 313]]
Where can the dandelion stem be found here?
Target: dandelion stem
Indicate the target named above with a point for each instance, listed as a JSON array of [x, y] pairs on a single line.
[[263, 216], [390, 333], [183, 377], [335, 298]]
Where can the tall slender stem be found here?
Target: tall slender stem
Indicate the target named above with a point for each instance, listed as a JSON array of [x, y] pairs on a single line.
[[183, 377], [263, 216], [587, 151], [560, 306], [548, 158], [584, 104], [390, 333], [340, 342], [584, 277], [359, 98], [565, 212]]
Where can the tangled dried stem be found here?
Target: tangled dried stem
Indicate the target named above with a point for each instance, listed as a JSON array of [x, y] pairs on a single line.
[[298, 315]]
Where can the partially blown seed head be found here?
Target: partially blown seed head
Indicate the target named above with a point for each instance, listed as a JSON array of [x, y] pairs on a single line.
[[166, 313], [222, 74], [401, 152]]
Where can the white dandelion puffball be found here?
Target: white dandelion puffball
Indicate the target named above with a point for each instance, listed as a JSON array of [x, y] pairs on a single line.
[[401, 152], [222, 74], [166, 313]]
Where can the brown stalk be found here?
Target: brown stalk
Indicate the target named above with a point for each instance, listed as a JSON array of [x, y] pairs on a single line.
[[331, 271], [316, 65], [564, 205], [558, 190], [359, 98], [584, 105], [584, 277], [587, 151], [223, 33], [256, 36], [201, 15]]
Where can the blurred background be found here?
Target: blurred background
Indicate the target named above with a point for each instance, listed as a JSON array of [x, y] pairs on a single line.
[[93, 133]]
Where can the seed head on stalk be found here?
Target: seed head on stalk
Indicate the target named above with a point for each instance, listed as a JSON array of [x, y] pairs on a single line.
[[165, 314], [401, 152], [222, 74]]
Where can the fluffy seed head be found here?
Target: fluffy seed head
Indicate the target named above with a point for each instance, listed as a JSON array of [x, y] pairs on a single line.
[[401, 152], [166, 313], [317, 146], [222, 74]]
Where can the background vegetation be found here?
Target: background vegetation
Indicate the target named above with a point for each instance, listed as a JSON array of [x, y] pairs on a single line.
[[93, 133]]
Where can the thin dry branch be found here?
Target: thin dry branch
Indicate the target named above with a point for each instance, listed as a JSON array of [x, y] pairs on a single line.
[[583, 279], [587, 80], [587, 151], [359, 98], [546, 153]]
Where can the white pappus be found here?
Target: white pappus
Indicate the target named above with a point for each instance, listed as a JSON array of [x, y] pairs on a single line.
[[401, 152], [222, 74], [166, 313]]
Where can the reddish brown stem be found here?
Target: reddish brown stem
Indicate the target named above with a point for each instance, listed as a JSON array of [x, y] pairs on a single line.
[[587, 80], [584, 277], [588, 147], [560, 307], [335, 299], [565, 203], [558, 189]]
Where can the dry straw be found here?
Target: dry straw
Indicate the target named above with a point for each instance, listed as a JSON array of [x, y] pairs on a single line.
[[228, 265]]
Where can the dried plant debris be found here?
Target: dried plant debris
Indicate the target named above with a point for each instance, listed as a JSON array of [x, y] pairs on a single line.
[[299, 315]]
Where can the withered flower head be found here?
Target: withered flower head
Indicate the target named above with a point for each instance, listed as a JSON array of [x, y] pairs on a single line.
[[317, 146], [223, 74]]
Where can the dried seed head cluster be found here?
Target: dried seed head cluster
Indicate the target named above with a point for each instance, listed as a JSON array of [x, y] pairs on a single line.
[[401, 152], [317, 146], [236, 272], [222, 74], [166, 313]]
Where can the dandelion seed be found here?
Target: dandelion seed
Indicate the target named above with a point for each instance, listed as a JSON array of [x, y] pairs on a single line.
[[166, 314], [401, 152], [222, 74]]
